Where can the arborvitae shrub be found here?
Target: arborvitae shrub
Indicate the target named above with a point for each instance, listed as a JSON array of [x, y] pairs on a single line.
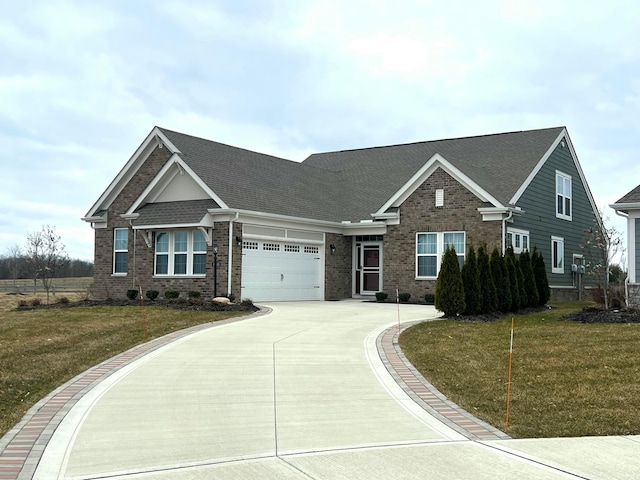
[[500, 280], [540, 274], [488, 298], [449, 288], [529, 279], [471, 281], [524, 300], [510, 265]]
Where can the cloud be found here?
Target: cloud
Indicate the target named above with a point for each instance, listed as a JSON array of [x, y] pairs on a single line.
[[82, 83]]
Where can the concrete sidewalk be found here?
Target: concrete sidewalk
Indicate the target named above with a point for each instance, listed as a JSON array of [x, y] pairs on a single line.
[[299, 393]]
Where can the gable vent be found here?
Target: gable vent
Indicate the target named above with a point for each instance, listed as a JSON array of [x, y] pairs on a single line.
[[440, 197]]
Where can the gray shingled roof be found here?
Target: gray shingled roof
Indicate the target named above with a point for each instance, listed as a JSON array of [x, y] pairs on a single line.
[[498, 163], [254, 181], [187, 212], [352, 184], [632, 197]]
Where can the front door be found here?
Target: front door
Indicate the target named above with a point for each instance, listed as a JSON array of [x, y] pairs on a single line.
[[368, 268]]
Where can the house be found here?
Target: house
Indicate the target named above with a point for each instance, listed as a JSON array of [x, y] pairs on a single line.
[[187, 214], [629, 207]]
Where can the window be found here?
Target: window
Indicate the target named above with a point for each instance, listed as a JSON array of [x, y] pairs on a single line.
[[518, 239], [563, 196], [430, 248], [557, 255], [120, 250], [199, 253], [182, 252]]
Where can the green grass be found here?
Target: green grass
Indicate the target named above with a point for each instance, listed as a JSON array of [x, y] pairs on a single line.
[[42, 349], [568, 378]]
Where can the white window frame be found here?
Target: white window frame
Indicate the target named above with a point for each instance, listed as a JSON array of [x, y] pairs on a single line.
[[172, 252], [117, 250], [440, 249], [517, 239], [563, 182], [557, 247]]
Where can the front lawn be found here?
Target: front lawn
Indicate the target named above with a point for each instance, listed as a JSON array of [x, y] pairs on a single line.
[[42, 349], [568, 378]]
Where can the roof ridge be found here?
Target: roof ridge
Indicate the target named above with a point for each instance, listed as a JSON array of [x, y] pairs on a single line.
[[422, 142]]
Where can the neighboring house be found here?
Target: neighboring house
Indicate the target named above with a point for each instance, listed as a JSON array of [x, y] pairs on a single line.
[[629, 206], [340, 224]]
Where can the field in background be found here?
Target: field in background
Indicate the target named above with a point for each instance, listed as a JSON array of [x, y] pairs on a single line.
[[73, 288]]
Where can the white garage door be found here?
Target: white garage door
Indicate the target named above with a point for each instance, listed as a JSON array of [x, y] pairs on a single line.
[[280, 271]]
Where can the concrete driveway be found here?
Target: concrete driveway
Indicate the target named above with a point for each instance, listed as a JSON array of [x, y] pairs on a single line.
[[299, 393]]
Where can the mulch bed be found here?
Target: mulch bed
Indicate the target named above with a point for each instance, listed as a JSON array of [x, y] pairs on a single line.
[[598, 315], [177, 304]]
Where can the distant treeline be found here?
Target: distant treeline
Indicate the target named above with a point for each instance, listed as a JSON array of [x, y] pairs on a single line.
[[22, 267]]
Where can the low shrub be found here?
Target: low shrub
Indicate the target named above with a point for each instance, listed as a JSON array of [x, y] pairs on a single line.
[[152, 294], [404, 297], [62, 300], [171, 294], [132, 294], [231, 297], [381, 296], [35, 302], [23, 303], [194, 294], [429, 298], [247, 303]]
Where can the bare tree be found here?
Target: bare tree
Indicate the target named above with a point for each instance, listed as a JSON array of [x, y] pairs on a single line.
[[601, 244], [47, 256], [14, 253]]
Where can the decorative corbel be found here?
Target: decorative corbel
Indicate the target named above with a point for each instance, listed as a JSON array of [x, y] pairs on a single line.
[[208, 234], [147, 235]]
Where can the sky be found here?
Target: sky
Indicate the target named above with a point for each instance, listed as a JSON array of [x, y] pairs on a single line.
[[83, 83]]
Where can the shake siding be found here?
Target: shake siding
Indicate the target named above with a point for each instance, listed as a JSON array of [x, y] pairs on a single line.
[[539, 205]]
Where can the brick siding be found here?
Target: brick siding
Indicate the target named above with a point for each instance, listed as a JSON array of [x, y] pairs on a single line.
[[419, 214], [141, 257], [338, 267]]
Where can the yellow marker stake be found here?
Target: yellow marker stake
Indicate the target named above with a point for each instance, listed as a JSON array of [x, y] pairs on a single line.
[[509, 381]]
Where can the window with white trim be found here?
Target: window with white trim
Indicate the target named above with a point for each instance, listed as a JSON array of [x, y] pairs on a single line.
[[181, 252], [518, 239], [557, 255], [120, 251], [563, 196], [430, 248]]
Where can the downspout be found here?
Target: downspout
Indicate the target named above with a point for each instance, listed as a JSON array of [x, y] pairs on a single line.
[[626, 280], [230, 266], [504, 230], [135, 272]]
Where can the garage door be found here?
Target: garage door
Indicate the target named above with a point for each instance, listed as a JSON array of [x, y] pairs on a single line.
[[280, 271]]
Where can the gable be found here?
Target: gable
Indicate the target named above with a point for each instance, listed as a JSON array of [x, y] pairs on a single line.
[[181, 187], [436, 164]]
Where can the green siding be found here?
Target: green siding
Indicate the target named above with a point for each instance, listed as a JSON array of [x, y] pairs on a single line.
[[539, 204]]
